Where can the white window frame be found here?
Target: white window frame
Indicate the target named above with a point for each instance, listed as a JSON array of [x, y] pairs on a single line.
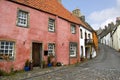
[[73, 49], [73, 29], [22, 18], [51, 25], [51, 49], [7, 48]]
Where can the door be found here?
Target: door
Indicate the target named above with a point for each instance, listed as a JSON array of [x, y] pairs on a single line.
[[37, 54]]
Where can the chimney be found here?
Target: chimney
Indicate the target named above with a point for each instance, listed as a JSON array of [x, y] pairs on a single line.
[[82, 18], [118, 20], [76, 12], [111, 24], [60, 1]]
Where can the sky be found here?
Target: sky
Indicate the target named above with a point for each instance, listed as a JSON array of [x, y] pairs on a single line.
[[98, 13]]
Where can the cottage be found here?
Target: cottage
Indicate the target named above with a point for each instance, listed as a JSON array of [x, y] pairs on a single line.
[[115, 35], [35, 29], [88, 38]]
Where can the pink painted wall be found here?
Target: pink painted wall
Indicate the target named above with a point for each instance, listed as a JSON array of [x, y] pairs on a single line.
[[37, 32]]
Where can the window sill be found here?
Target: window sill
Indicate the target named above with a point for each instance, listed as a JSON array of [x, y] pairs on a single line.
[[73, 56], [22, 26]]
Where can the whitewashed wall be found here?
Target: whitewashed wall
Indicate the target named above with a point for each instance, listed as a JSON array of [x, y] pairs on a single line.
[[116, 39], [82, 41], [107, 38]]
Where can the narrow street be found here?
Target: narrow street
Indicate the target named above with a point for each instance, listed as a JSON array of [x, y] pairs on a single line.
[[104, 67]]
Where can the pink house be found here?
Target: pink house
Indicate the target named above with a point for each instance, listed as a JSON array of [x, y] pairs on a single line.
[[34, 29]]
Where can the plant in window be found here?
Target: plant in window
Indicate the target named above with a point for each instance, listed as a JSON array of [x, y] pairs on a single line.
[[6, 57], [6, 50]]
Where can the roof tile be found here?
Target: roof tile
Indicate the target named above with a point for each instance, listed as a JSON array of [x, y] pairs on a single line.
[[53, 7]]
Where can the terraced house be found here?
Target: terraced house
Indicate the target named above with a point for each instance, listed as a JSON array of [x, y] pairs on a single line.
[[35, 29], [88, 38]]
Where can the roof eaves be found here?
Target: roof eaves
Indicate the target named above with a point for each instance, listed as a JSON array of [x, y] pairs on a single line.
[[76, 22]]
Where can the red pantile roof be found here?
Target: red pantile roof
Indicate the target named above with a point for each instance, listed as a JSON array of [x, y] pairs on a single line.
[[52, 7]]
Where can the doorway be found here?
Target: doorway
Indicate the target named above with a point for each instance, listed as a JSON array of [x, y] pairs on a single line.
[[87, 52], [37, 54]]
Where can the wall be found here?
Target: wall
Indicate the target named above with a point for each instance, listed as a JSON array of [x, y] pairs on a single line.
[[116, 39], [108, 39], [37, 32], [82, 41], [95, 40]]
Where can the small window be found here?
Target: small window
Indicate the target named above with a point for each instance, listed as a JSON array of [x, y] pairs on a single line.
[[51, 49], [73, 29], [51, 25], [81, 51], [7, 49], [22, 18], [85, 35], [89, 36], [81, 33], [73, 49]]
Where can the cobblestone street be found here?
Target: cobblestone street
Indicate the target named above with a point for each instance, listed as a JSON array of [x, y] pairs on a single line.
[[106, 66]]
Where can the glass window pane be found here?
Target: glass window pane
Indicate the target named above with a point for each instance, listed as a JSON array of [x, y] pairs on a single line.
[[2, 47], [6, 51], [7, 43], [6, 47], [2, 43], [10, 51], [11, 43], [1, 51]]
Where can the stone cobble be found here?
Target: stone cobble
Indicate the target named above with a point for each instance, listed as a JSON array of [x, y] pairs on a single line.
[[104, 67]]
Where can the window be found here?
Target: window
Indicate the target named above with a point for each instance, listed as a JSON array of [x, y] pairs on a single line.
[[89, 36], [81, 51], [73, 49], [51, 49], [51, 25], [22, 18], [85, 35], [81, 33], [7, 49], [73, 29]]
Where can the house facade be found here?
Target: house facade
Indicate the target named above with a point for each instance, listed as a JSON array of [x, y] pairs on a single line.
[[105, 35], [85, 37], [95, 43], [33, 30], [88, 38], [110, 35], [115, 35]]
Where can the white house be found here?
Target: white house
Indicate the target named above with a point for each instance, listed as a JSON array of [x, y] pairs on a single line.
[[86, 43], [87, 49], [106, 35], [116, 36]]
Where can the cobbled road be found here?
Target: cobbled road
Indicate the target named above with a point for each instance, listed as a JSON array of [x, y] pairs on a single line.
[[106, 66]]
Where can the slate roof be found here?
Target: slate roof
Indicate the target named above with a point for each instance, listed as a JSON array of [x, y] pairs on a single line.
[[52, 7], [107, 30]]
